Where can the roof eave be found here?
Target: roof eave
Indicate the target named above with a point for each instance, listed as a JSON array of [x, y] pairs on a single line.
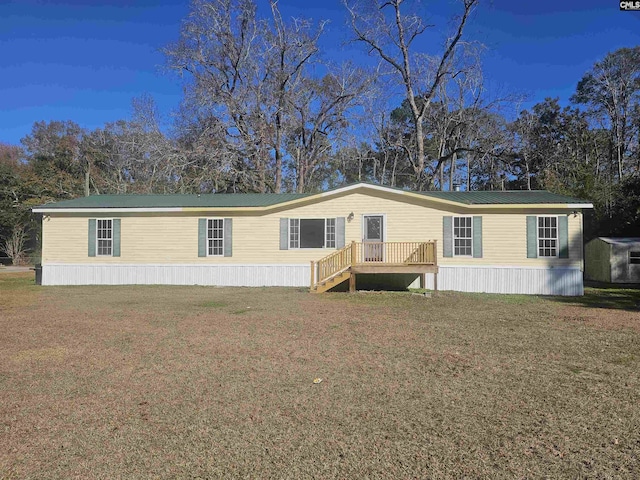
[[317, 196], [43, 209]]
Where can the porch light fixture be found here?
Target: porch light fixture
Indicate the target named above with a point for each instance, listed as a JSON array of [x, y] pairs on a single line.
[[350, 217]]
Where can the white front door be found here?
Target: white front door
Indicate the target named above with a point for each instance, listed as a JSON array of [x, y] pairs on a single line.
[[373, 238]]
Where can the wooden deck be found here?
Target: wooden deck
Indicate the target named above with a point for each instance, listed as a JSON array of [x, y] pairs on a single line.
[[393, 268], [374, 257]]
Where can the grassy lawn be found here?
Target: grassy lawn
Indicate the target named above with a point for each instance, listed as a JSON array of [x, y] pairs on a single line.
[[195, 382]]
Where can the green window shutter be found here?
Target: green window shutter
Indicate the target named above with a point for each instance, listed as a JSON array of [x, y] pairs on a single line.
[[532, 236], [284, 234], [477, 237], [202, 237], [563, 236], [92, 237], [116, 237], [447, 237], [340, 237], [228, 237]]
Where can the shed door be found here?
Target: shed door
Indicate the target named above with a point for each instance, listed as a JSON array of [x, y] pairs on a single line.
[[634, 265], [373, 237]]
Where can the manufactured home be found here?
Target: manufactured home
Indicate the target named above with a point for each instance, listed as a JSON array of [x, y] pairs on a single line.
[[613, 260], [356, 236]]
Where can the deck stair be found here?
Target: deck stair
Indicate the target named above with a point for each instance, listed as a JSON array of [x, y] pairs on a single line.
[[381, 257], [331, 282]]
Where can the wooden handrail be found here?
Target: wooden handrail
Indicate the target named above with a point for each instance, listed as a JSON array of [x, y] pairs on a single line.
[[333, 263]]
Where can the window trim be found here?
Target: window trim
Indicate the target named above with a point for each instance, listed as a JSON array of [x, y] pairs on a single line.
[[324, 243], [207, 237], [453, 236], [557, 255], [98, 220]]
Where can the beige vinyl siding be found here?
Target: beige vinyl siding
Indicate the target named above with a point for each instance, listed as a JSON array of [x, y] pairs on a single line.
[[172, 238]]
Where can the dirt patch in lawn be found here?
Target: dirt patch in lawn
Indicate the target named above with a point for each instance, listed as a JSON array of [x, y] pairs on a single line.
[[194, 382]]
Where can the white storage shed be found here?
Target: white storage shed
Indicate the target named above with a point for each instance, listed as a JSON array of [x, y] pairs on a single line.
[[613, 260]]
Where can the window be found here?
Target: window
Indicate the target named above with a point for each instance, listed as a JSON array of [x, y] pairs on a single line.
[[215, 236], [312, 233], [294, 233], [104, 237], [330, 233], [634, 258], [462, 236], [547, 236]]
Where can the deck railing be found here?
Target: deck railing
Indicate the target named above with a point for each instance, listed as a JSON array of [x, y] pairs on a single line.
[[379, 253], [333, 263], [396, 253]]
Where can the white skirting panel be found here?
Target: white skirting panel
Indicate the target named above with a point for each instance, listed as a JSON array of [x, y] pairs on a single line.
[[488, 279], [222, 275], [527, 280]]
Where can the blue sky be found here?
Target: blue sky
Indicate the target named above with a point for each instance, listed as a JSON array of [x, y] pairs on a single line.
[[85, 60]]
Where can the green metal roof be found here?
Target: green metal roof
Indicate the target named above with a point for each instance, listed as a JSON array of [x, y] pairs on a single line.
[[179, 200], [509, 197], [230, 200]]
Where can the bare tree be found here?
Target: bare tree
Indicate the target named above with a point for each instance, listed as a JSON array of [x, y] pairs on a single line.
[[246, 72], [611, 90], [132, 155], [219, 51], [375, 131], [15, 245], [389, 33], [204, 163], [320, 118], [452, 121], [289, 48]]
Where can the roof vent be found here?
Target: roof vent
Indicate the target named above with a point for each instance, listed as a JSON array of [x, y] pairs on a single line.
[[456, 187]]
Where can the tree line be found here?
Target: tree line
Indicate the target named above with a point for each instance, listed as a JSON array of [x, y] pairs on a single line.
[[264, 110]]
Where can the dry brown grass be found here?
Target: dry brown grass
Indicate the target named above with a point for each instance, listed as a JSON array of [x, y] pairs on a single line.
[[191, 382]]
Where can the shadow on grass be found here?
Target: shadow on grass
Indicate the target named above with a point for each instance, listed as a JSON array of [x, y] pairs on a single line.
[[607, 295]]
